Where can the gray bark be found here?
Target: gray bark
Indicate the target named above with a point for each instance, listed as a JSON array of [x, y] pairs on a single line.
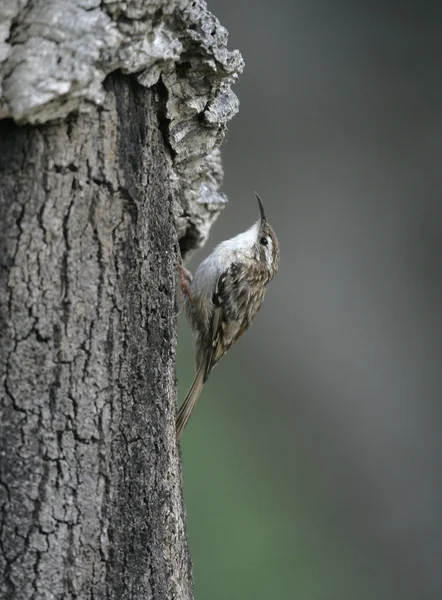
[[94, 206]]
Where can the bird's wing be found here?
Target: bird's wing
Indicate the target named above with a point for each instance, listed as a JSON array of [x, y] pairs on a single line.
[[240, 331], [217, 347], [224, 321], [218, 343]]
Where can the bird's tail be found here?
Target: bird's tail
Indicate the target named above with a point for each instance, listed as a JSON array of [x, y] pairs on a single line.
[[190, 400]]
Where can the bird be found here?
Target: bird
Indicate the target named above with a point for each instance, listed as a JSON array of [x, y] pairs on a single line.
[[223, 298]]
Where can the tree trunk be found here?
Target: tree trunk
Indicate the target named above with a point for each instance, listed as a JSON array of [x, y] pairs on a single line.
[[93, 209]]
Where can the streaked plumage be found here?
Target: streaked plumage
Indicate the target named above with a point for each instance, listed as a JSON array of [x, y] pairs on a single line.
[[225, 295]]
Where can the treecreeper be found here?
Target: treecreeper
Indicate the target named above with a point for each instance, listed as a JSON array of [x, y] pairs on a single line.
[[223, 298]]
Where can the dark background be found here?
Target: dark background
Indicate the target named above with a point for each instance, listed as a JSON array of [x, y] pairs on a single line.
[[313, 462]]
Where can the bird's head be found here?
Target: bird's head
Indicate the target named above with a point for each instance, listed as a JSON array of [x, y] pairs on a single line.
[[258, 246], [266, 245]]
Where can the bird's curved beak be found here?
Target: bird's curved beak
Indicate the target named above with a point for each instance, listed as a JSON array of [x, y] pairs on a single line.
[[261, 209]]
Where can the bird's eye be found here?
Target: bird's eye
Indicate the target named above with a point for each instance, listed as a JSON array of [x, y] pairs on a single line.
[[264, 241]]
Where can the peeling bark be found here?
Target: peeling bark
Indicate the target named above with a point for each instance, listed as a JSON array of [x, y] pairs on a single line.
[[94, 206], [55, 54]]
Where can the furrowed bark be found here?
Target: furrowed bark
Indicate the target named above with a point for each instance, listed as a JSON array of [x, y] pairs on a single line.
[[88, 355], [96, 196]]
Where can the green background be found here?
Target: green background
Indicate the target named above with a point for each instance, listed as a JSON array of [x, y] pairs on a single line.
[[257, 529]]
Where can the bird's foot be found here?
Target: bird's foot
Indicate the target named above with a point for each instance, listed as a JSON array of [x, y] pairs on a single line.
[[185, 281]]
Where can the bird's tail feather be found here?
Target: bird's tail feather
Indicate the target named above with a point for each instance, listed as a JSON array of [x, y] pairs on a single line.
[[190, 400]]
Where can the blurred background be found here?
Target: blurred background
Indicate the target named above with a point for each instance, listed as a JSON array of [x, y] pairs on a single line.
[[313, 461]]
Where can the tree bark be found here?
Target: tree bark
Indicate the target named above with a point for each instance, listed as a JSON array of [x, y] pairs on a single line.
[[94, 205]]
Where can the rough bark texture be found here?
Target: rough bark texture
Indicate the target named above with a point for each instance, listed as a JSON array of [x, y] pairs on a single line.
[[55, 54], [93, 208]]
